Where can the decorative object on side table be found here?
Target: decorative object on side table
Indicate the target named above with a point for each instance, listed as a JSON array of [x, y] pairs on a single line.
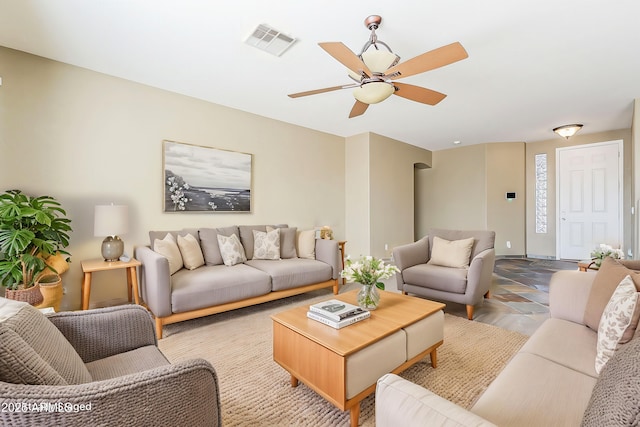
[[368, 271], [603, 251], [32, 229]]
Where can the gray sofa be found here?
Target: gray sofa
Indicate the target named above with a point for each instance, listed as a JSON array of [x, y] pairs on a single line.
[[97, 368], [464, 285], [551, 381], [215, 287]]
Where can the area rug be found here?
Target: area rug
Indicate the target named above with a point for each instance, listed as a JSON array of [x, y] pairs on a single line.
[[254, 390]]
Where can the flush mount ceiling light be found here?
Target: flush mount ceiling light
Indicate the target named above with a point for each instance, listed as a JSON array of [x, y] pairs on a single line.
[[376, 68], [567, 131]]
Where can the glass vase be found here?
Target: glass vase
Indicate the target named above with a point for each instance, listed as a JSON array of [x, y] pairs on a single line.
[[368, 297]]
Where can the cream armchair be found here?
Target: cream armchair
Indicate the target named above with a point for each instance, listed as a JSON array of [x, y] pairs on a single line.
[[441, 274], [97, 368]]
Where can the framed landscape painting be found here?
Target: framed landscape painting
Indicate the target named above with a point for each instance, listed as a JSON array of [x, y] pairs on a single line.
[[204, 179]]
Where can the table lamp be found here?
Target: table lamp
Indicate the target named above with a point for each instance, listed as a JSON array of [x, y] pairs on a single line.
[[109, 221]]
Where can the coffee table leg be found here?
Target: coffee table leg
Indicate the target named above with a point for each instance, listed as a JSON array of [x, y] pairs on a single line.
[[294, 381], [434, 358], [354, 414]]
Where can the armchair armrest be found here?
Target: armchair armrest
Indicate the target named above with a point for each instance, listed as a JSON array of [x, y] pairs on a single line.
[[155, 280], [327, 251], [185, 393], [403, 403], [103, 332], [408, 255], [480, 273], [568, 294]]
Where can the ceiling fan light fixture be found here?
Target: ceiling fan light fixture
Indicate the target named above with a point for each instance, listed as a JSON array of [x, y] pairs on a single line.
[[567, 131], [373, 92], [379, 61]]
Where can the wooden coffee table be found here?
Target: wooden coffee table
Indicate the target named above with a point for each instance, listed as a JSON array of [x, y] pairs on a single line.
[[326, 359]]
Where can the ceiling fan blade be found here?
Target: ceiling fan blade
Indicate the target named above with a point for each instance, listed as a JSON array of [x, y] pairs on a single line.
[[418, 94], [431, 60], [346, 57], [358, 109], [316, 91]]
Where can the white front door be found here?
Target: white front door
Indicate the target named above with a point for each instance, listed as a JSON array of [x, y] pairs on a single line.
[[589, 198]]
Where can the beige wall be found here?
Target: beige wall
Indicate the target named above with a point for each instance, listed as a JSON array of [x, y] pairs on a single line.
[[544, 245], [635, 190], [453, 192], [87, 138], [380, 193], [505, 173], [465, 189]]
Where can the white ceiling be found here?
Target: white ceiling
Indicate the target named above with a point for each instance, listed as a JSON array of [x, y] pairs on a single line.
[[533, 64]]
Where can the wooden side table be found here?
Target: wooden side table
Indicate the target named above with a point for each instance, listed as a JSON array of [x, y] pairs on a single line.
[[93, 265], [587, 264]]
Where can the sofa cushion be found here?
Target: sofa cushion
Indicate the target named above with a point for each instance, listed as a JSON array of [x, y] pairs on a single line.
[[190, 250], [566, 343], [130, 362], [615, 400], [607, 278], [168, 248], [209, 243], [618, 322], [33, 351], [527, 391], [306, 244], [292, 273], [454, 254], [231, 250], [266, 245], [287, 242], [437, 277], [217, 284]]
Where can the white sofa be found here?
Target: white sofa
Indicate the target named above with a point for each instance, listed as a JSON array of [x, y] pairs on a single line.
[[549, 382]]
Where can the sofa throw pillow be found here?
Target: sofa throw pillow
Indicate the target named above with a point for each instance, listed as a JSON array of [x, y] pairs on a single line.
[[287, 241], [168, 248], [615, 399], [209, 243], [231, 250], [454, 254], [266, 245], [192, 257], [307, 244], [619, 321], [607, 278]]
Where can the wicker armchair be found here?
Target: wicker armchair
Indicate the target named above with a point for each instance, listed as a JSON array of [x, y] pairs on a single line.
[[99, 368]]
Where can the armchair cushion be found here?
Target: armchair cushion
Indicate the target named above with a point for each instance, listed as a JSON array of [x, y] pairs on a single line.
[[33, 351], [454, 254], [437, 277], [130, 362]]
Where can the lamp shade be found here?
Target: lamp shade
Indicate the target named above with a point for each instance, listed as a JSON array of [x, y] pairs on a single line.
[[110, 220], [374, 92]]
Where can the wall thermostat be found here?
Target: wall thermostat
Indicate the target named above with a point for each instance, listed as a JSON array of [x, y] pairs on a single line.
[[511, 196]]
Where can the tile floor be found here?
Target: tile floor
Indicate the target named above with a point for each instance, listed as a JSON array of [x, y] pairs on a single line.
[[519, 294]]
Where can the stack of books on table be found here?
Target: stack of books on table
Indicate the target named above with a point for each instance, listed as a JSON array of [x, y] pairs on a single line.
[[337, 314]]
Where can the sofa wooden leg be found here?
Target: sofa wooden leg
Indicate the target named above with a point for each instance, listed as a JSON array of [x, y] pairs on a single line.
[[470, 312], [336, 287], [158, 328], [488, 294]]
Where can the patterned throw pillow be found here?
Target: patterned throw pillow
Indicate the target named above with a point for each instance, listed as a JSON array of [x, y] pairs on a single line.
[[266, 245], [231, 250], [618, 322]]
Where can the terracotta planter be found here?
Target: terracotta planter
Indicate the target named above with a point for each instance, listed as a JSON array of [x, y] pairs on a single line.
[[51, 289], [31, 295]]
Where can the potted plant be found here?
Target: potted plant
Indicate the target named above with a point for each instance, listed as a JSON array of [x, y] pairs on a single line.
[[31, 230], [368, 271]]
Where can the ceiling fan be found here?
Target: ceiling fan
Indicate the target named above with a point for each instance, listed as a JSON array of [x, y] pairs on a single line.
[[374, 71]]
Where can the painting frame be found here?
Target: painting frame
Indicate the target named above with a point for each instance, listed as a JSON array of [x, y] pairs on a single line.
[[199, 178]]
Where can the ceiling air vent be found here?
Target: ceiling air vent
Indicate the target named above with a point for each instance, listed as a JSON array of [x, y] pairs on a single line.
[[270, 40]]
